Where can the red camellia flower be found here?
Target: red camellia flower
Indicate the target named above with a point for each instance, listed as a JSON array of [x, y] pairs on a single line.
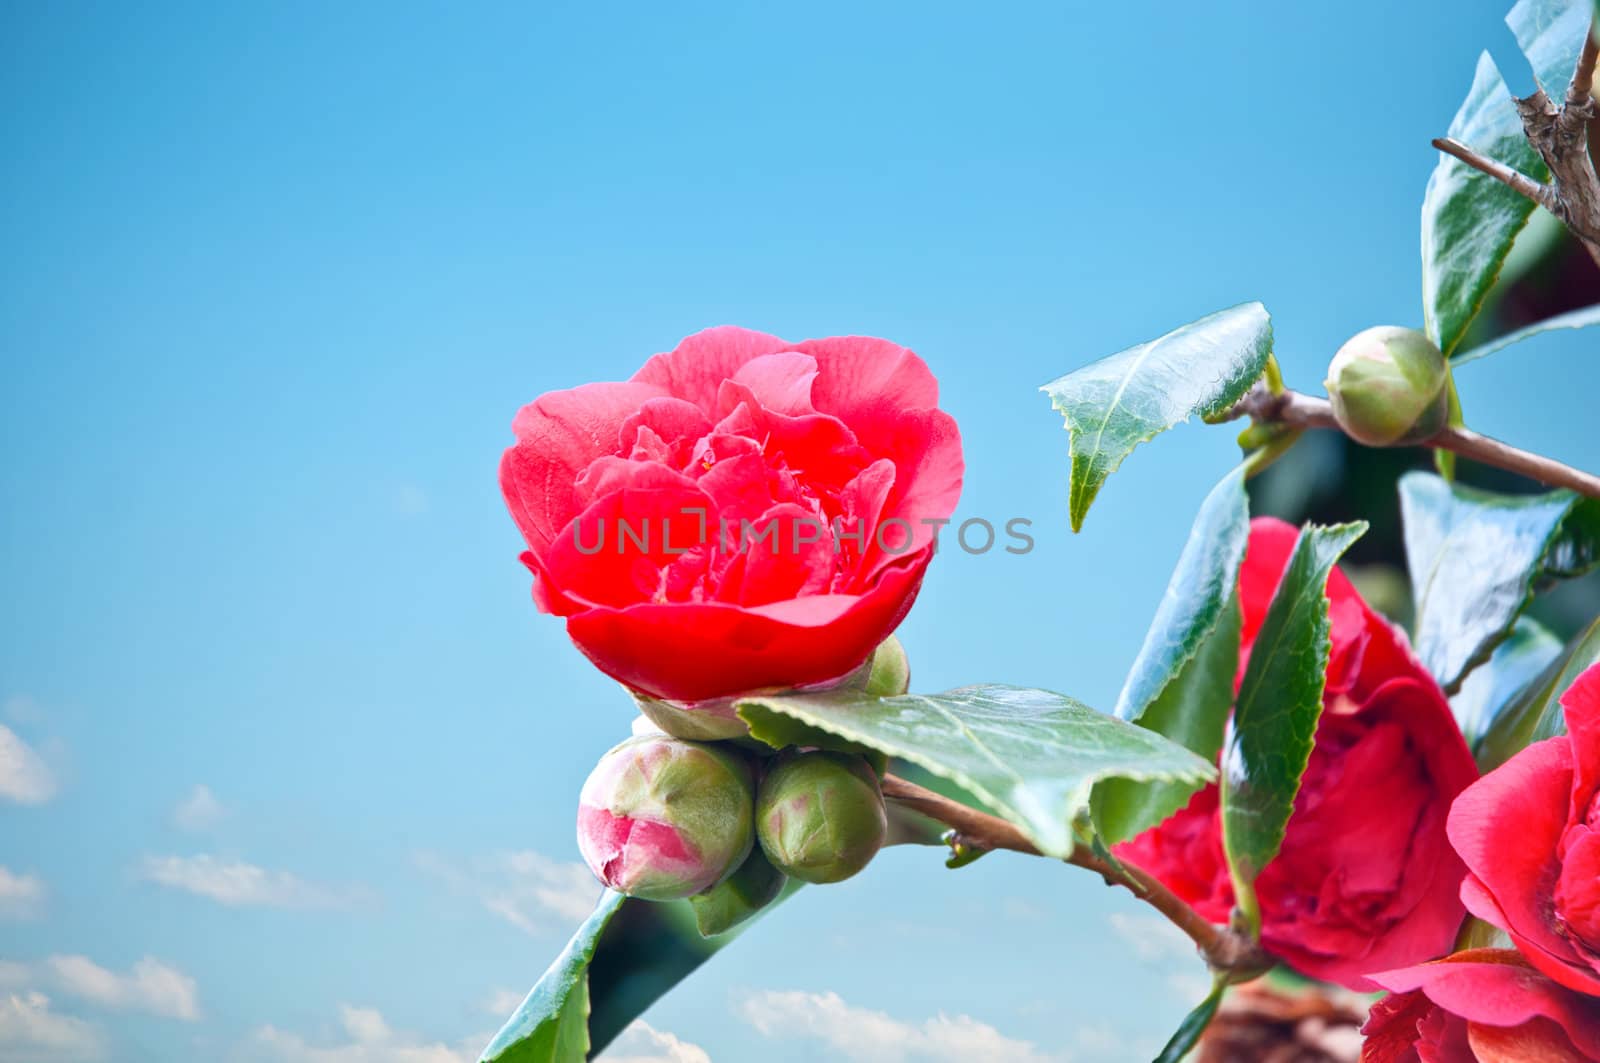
[[1366, 879], [1480, 1006], [1530, 834], [743, 514]]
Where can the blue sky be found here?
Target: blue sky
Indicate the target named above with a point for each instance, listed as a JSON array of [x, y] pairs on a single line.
[[290, 761]]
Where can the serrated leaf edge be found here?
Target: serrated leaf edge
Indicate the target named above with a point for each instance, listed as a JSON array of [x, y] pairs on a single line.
[[1078, 796], [1080, 495]]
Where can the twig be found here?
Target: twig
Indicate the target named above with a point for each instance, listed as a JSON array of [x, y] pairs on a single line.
[[1304, 411], [1561, 137], [1583, 77], [1223, 948], [1514, 179]]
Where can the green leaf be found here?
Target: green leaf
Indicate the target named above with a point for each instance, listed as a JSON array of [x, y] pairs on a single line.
[[1476, 559], [1113, 405], [1469, 220], [620, 961], [1575, 319], [1576, 550], [1536, 713], [1550, 33], [1194, 1024], [1030, 755], [1491, 689], [1280, 701], [552, 1024], [1181, 684]]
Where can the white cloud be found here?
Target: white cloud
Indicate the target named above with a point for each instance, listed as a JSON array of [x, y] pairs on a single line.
[[21, 896], [150, 986], [200, 810], [500, 1003], [241, 885], [1152, 938], [365, 1037], [24, 777], [1101, 1042], [642, 1043], [1159, 944], [528, 890], [30, 1032], [875, 1037]]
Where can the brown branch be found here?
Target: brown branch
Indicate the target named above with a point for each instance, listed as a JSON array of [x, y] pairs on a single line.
[[1583, 77], [1513, 179], [1223, 948], [1305, 411], [1561, 137]]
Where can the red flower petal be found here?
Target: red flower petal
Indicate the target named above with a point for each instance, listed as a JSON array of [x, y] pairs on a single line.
[[1580, 705], [867, 382], [558, 435], [698, 651], [1499, 987], [696, 368], [1507, 827]]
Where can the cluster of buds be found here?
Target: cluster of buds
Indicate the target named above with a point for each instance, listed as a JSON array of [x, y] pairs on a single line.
[[666, 818]]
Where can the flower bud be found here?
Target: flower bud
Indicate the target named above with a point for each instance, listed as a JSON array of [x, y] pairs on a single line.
[[741, 895], [1388, 385], [820, 815], [890, 670], [704, 721], [661, 819]]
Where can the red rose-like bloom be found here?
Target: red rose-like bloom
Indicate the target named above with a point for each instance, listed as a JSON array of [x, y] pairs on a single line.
[[743, 514], [1366, 880], [1530, 834], [1480, 1006]]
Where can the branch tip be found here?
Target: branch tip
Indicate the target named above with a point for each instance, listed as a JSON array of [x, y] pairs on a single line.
[[1515, 180]]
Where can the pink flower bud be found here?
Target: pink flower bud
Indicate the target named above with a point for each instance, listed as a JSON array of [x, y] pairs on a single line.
[[661, 819]]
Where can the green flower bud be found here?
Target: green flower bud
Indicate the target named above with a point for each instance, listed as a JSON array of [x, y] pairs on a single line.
[[1388, 385], [706, 721], [889, 672], [820, 815], [744, 893], [661, 819]]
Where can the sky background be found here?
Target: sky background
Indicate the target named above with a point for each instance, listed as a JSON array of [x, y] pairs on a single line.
[[289, 762]]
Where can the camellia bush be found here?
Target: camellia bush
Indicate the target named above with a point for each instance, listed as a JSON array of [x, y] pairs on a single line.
[[1296, 783]]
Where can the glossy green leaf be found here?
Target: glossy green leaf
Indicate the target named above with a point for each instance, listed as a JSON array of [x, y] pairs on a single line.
[[1193, 1025], [1476, 559], [1550, 33], [1031, 755], [552, 1024], [1280, 701], [1492, 688], [1576, 550], [1469, 220], [620, 961], [1576, 319], [1113, 405], [1536, 713], [1181, 684]]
